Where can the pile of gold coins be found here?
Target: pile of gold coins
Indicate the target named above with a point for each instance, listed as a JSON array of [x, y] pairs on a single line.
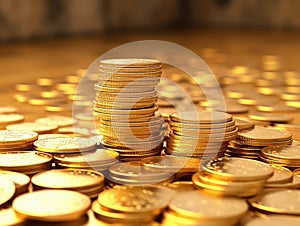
[[200, 134], [126, 109], [237, 166], [233, 177]]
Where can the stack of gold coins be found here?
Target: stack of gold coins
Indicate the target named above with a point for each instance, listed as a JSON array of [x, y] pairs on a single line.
[[201, 209], [16, 140], [20, 180], [99, 160], [200, 134], [134, 174], [87, 182], [236, 149], [294, 129], [282, 201], [132, 205], [262, 137], [51, 206], [65, 145], [288, 156], [233, 176], [125, 106], [27, 162]]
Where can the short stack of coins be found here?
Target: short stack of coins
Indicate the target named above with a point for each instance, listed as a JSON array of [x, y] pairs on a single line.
[[16, 140], [201, 134], [132, 205], [288, 156], [250, 143], [233, 177], [126, 107], [135, 174]]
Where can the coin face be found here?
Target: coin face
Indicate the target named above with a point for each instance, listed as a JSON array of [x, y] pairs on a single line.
[[67, 178], [281, 201], [58, 120], [52, 205], [7, 189], [274, 220], [32, 126], [11, 137], [11, 118], [284, 152], [238, 169], [202, 117], [136, 199], [281, 175], [23, 158], [265, 134], [65, 144], [19, 179], [197, 204]]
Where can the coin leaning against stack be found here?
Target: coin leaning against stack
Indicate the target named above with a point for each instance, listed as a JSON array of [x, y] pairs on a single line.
[[203, 134], [125, 105]]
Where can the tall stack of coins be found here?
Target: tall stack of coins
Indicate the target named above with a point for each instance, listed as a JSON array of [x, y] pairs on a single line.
[[233, 176], [201, 134], [132, 205], [125, 105]]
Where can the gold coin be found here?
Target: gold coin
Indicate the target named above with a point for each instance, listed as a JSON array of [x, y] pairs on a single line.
[[265, 135], [127, 112], [281, 175], [280, 201], [51, 135], [119, 217], [130, 62], [7, 189], [17, 137], [201, 117], [33, 126], [40, 101], [65, 144], [60, 121], [59, 107], [199, 205], [52, 205], [129, 89], [293, 184], [21, 181], [272, 220], [226, 126], [136, 199], [273, 117], [290, 153], [238, 169], [8, 217], [99, 156], [67, 179], [8, 109], [6, 119]]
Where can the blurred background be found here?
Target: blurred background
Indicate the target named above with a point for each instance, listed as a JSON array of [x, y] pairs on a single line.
[[23, 19]]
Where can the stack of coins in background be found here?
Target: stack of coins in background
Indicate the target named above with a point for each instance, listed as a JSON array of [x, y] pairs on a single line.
[[200, 134], [125, 106]]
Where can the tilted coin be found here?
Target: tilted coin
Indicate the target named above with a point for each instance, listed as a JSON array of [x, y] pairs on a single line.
[[280, 175], [7, 189], [6, 119], [15, 137], [52, 205], [20, 180]]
